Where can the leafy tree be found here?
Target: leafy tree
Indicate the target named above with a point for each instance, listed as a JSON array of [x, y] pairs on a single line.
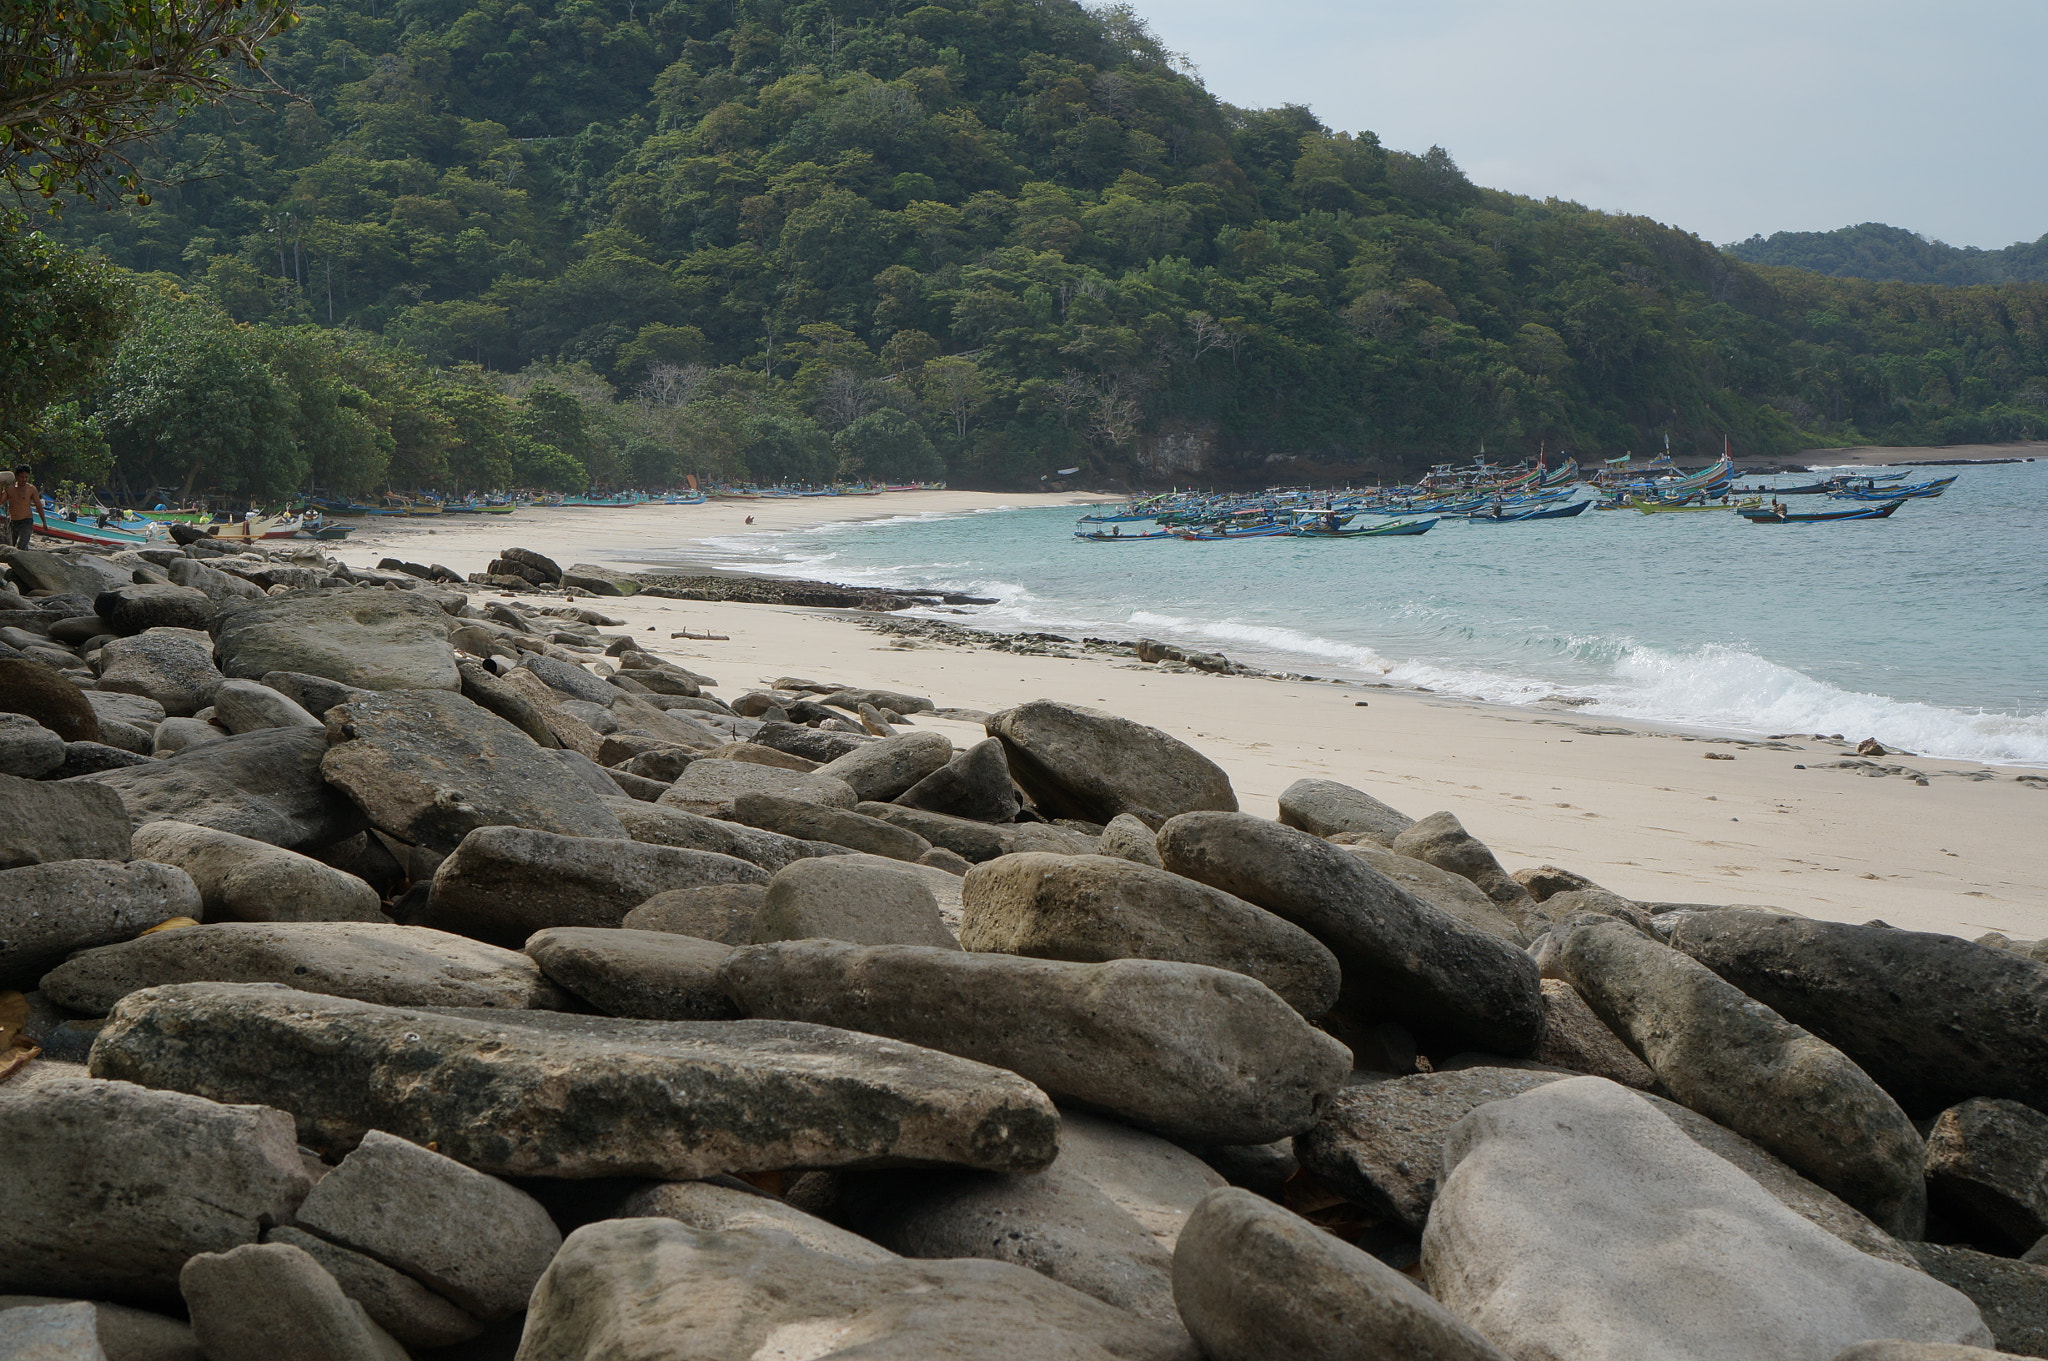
[[191, 401], [61, 316], [888, 446], [79, 82]]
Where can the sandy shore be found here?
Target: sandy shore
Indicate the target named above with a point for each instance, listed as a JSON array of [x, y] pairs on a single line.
[[1876, 456], [1632, 806]]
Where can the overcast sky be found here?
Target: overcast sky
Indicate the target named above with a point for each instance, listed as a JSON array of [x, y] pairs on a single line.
[[1725, 119]]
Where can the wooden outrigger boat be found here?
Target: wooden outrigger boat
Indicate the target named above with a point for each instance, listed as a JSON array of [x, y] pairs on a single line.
[[1766, 516]]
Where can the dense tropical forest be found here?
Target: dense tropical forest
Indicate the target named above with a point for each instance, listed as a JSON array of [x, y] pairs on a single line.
[[557, 242], [1871, 250]]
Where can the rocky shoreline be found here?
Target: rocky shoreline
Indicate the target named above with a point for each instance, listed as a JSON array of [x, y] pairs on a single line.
[[402, 967]]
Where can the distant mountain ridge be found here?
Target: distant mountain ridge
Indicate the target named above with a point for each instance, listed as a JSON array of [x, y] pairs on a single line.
[[1872, 250]]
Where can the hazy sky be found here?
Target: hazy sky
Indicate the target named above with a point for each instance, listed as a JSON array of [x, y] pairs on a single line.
[[1725, 119]]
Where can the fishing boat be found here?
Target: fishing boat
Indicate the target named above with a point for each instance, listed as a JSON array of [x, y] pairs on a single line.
[[1542, 513], [1917, 491], [85, 531], [327, 532], [1667, 508], [1766, 516], [1099, 536], [1390, 530], [1256, 532]]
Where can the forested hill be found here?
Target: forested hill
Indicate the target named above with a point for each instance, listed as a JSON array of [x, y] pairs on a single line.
[[1871, 250], [1002, 236]]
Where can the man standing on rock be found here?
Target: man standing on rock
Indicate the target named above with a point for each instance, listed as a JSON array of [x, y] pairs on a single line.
[[23, 503]]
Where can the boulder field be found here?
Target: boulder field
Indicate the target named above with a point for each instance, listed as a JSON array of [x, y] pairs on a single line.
[[393, 966]]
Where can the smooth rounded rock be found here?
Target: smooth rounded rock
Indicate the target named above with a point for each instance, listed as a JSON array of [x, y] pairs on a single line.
[[173, 666], [27, 748], [1738, 1062], [242, 879], [1084, 763], [721, 912], [1326, 808], [1254, 1282], [375, 640], [655, 975], [536, 1093], [1576, 1221], [47, 911], [246, 705], [31, 688], [369, 961], [245, 1301], [1192, 1052], [1092, 908], [879, 771], [831, 899]]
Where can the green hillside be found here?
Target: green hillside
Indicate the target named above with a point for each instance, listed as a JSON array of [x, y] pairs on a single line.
[[549, 240], [1871, 250]]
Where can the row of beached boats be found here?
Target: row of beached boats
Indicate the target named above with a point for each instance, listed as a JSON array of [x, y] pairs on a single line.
[[1491, 496], [315, 516]]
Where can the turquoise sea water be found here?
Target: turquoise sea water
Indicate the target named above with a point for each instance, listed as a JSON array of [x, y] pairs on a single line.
[[1928, 631]]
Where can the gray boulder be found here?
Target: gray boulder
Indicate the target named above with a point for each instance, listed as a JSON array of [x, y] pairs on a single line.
[[90, 758], [133, 609], [174, 735], [831, 899], [211, 580], [1255, 1281], [375, 640], [1402, 958], [713, 786], [414, 1315], [536, 1093], [879, 771], [40, 823], [51, 1332], [1576, 1039], [1575, 1220], [975, 784], [813, 744], [1083, 763], [29, 687], [468, 1236], [1441, 889], [429, 767], [1092, 908], [1192, 1052], [651, 1287], [1380, 1145], [35, 569], [29, 750], [173, 666], [123, 1333], [1102, 1219], [1989, 1159], [2012, 1296], [502, 884], [369, 961], [47, 911], [721, 912], [812, 822], [979, 841], [654, 975], [508, 702], [246, 705], [662, 825], [112, 1186], [1126, 838], [1441, 840], [264, 785], [315, 694], [570, 680], [246, 1300], [1933, 1018], [1326, 808], [244, 880], [1746, 1067]]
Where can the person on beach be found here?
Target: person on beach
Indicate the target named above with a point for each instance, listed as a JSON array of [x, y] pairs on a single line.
[[24, 503]]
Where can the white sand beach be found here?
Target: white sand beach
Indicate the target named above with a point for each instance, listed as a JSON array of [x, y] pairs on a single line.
[[1632, 806]]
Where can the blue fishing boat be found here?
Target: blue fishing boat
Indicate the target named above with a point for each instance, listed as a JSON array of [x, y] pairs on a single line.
[[1767, 516], [1541, 513]]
